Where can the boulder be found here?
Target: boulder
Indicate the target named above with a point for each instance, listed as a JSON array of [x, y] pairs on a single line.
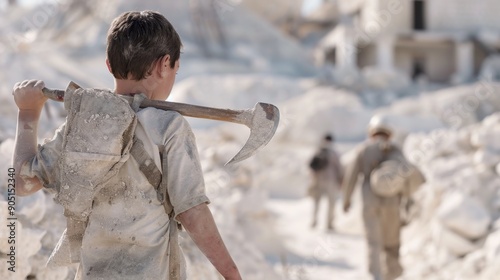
[[486, 138], [492, 120], [464, 215], [486, 156], [453, 242]]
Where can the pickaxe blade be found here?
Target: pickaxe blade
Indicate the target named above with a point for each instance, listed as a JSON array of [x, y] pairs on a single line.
[[262, 120], [263, 125]]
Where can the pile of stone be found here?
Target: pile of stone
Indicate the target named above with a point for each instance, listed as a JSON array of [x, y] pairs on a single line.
[[457, 227]]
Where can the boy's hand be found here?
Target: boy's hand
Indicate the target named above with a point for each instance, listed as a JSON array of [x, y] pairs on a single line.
[[28, 95]]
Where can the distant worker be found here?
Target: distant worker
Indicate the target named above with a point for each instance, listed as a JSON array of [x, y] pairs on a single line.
[[327, 178], [387, 176]]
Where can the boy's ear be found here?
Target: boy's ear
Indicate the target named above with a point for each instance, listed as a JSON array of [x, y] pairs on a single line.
[[109, 66], [164, 66]]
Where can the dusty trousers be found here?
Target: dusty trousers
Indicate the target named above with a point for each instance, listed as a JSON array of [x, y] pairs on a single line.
[[381, 219], [331, 197]]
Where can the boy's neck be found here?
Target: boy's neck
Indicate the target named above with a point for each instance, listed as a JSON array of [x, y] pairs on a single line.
[[131, 87]]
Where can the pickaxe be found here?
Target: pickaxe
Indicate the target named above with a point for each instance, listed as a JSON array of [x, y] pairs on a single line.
[[262, 120]]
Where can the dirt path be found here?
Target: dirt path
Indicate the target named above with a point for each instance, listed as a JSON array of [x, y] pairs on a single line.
[[318, 254]]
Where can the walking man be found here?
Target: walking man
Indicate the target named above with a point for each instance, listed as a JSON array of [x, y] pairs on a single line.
[[327, 178], [381, 216]]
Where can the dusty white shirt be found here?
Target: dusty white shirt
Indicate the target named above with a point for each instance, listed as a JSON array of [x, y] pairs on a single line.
[[127, 233]]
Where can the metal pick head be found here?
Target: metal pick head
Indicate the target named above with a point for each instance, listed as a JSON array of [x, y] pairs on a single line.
[[263, 125]]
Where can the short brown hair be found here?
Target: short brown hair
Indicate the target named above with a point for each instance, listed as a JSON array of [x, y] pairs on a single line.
[[136, 40]]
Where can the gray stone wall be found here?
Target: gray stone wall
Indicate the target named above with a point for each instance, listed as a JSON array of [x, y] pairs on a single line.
[[463, 15]]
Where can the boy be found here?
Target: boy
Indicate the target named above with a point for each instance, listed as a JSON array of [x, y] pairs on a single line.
[[143, 51]]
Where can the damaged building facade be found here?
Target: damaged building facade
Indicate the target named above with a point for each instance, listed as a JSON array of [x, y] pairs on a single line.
[[440, 41]]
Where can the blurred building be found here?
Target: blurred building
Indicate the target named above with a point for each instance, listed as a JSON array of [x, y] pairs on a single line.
[[441, 40], [282, 13]]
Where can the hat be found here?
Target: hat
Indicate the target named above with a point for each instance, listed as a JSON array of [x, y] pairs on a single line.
[[379, 124]]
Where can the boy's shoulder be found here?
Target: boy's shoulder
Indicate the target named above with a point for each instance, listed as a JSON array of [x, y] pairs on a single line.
[[163, 119], [162, 124]]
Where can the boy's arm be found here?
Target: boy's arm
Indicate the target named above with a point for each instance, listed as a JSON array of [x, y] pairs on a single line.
[[186, 190], [200, 225], [30, 100]]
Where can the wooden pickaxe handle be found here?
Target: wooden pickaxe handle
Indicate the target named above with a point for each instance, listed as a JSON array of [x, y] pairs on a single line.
[[196, 111], [189, 110]]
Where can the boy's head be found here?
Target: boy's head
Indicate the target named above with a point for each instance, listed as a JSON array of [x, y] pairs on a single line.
[[137, 40]]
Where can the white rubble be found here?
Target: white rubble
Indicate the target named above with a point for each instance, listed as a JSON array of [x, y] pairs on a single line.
[[487, 157], [487, 138], [321, 110], [492, 246], [473, 264], [491, 271], [450, 240], [32, 207], [464, 215], [460, 199], [27, 242]]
